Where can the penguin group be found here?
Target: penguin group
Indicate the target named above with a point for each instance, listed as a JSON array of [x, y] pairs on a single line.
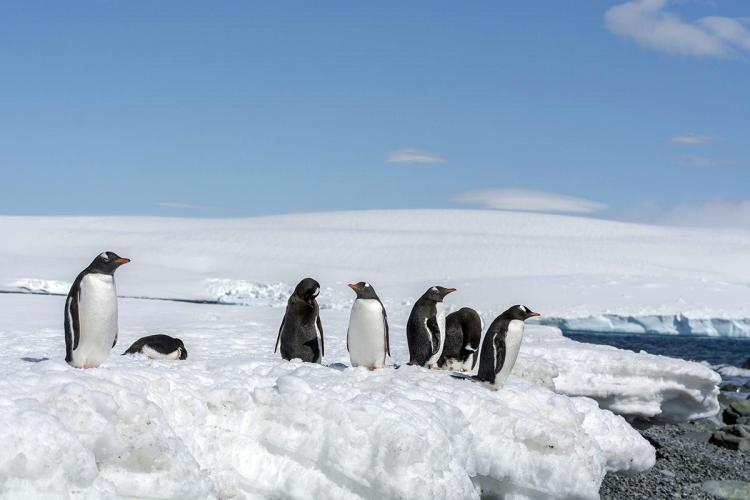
[[435, 341]]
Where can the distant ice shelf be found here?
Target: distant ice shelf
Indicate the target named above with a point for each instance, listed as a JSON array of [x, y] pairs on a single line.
[[669, 324]]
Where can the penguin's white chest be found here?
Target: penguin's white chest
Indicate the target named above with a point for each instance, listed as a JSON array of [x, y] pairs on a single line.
[[366, 337], [440, 317], [512, 346], [97, 314]]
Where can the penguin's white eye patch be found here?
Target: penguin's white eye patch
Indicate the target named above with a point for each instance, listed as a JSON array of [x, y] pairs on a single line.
[[367, 285], [433, 289], [523, 308], [316, 292], [104, 256]]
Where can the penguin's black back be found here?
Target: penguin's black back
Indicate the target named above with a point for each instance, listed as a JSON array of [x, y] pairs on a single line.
[[420, 349], [163, 344], [298, 336], [463, 328], [493, 350]]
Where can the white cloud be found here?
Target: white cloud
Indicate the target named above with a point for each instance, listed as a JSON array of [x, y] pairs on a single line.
[[528, 200], [189, 206], [414, 156], [692, 139], [717, 213], [650, 25]]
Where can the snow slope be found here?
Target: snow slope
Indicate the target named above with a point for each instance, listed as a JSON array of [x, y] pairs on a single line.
[[590, 273], [235, 421]]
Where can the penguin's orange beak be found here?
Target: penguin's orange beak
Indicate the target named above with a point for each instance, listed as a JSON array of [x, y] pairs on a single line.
[[352, 286], [450, 290], [533, 314], [122, 260]]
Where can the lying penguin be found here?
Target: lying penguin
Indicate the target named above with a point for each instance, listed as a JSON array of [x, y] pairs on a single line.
[[159, 347], [463, 333], [501, 345]]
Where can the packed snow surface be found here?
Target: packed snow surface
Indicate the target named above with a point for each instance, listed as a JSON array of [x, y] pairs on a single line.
[[594, 274], [235, 421]]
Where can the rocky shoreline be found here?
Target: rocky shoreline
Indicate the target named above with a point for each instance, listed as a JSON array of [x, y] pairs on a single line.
[[696, 460]]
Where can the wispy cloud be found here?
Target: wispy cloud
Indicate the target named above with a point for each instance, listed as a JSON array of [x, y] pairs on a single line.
[[528, 200], [649, 24], [692, 139], [716, 213], [187, 206], [414, 156], [702, 162]]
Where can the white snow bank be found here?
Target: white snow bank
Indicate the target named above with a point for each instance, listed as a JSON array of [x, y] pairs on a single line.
[[233, 420], [229, 291], [670, 324], [33, 285], [628, 383]]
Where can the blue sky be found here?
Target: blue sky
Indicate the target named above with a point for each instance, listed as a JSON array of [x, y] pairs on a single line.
[[218, 109]]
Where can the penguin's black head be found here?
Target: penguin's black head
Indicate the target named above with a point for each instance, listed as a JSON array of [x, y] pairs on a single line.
[[107, 263], [438, 293], [181, 347], [363, 290], [519, 312], [307, 290]]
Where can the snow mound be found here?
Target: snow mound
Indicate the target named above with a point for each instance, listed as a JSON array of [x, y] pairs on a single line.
[[229, 291], [293, 430], [33, 285], [628, 383], [235, 421]]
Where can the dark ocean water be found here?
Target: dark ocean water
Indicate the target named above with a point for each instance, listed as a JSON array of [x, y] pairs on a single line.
[[716, 351]]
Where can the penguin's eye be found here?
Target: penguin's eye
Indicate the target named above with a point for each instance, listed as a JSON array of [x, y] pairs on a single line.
[[104, 256]]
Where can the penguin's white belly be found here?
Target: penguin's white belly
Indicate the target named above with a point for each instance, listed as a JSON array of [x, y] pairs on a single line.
[[366, 337], [154, 354], [512, 346], [97, 316], [440, 316]]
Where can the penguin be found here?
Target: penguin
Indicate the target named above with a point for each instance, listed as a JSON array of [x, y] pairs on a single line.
[[501, 344], [159, 347], [301, 331], [367, 336], [463, 332], [425, 330], [91, 313]]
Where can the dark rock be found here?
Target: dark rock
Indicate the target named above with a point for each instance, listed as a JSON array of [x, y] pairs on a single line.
[[733, 437], [730, 387], [737, 412]]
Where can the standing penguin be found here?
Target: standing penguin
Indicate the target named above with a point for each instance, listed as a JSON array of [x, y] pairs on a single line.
[[367, 336], [463, 333], [91, 313], [501, 344], [425, 330], [301, 332]]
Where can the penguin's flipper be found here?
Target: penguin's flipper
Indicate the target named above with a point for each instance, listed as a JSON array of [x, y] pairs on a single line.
[[434, 329], [278, 339], [322, 339], [385, 326], [72, 323], [499, 353], [117, 335]]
